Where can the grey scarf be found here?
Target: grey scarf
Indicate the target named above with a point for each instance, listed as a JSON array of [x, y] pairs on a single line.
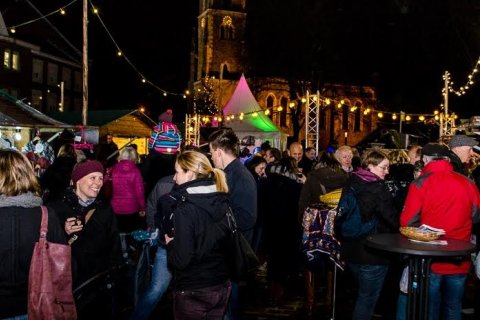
[[24, 200]]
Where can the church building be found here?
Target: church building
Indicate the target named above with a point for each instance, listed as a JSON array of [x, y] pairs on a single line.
[[345, 112]]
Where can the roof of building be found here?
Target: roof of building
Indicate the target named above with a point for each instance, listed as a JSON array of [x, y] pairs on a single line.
[[14, 112]]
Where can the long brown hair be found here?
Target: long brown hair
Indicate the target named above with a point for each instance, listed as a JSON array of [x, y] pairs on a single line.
[[17, 174]]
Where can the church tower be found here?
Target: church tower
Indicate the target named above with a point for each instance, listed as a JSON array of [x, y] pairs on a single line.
[[221, 45]]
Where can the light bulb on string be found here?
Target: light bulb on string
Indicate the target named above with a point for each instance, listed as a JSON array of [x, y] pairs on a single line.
[[119, 53], [394, 116], [421, 118], [267, 112], [408, 118], [62, 11], [380, 115]]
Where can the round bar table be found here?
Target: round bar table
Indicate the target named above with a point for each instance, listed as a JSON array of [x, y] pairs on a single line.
[[419, 257]]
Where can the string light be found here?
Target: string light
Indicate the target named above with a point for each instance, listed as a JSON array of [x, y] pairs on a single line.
[[59, 10], [468, 83]]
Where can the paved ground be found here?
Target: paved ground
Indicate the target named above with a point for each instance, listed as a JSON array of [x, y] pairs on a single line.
[[258, 303]]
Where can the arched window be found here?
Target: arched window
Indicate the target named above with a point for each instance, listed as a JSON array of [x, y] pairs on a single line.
[[270, 102], [283, 113], [357, 116], [323, 118], [345, 117]]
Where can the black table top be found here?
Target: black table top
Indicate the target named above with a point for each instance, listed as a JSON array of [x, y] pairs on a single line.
[[394, 242]]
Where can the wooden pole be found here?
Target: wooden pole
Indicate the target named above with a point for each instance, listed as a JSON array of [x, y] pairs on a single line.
[[85, 63]]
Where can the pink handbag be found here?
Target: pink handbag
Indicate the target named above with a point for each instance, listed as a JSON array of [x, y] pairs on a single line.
[[50, 279]]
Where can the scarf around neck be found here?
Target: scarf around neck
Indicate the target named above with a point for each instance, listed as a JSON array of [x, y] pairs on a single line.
[[24, 200]]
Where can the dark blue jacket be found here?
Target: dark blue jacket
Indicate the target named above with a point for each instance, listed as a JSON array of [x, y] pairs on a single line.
[[243, 196]]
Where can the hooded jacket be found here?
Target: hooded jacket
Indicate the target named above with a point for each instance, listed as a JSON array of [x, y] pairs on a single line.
[[446, 200], [128, 192], [198, 250]]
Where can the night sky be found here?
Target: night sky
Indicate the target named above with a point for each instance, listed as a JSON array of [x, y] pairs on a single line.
[[401, 47]]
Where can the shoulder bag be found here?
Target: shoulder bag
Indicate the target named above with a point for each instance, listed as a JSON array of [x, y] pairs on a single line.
[[242, 258], [50, 279]]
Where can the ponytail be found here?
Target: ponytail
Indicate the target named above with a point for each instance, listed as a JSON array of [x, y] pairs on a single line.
[[220, 180]]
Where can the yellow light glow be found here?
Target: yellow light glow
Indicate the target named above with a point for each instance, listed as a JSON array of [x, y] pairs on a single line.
[[241, 117], [187, 92], [327, 101], [408, 118], [421, 118], [144, 80], [119, 53], [394, 116], [280, 109], [164, 94], [304, 100], [12, 30], [352, 109], [380, 115], [292, 104], [62, 11], [241, 114], [95, 10], [339, 106], [255, 114], [190, 129], [228, 118], [437, 117], [219, 119], [435, 112], [267, 112], [184, 97]]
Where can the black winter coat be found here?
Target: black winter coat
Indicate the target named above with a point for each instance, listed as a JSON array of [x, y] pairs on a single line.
[[98, 245], [374, 200], [19, 230]]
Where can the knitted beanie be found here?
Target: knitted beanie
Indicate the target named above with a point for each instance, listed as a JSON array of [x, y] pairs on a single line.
[[84, 168], [166, 116]]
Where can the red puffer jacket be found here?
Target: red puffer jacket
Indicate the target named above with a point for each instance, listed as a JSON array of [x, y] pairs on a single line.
[[127, 188]]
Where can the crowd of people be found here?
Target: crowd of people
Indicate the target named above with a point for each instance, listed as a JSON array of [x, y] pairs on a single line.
[[183, 196]]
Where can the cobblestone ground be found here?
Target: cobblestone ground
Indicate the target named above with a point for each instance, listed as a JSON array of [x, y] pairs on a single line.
[[257, 302]]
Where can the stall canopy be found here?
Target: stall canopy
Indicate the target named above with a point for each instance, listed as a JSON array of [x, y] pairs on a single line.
[[259, 126]]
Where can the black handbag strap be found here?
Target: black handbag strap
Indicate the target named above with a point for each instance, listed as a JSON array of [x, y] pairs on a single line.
[[44, 223], [232, 223]]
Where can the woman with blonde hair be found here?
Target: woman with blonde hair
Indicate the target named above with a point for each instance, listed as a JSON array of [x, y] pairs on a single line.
[[20, 216], [196, 247]]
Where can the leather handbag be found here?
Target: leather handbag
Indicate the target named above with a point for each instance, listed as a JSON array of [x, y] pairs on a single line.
[[242, 258], [50, 279]]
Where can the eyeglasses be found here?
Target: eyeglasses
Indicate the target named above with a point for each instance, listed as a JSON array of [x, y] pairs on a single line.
[[384, 168]]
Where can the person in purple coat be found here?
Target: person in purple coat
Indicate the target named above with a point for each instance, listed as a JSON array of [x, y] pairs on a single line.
[[128, 199]]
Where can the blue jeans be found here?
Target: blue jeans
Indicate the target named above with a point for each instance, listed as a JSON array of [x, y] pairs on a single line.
[[161, 278], [370, 282], [445, 296], [402, 306], [22, 317]]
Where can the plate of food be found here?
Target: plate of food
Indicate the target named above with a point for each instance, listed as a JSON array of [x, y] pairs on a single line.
[[420, 234]]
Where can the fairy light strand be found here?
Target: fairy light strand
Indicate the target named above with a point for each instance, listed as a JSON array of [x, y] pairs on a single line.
[[60, 10], [121, 53]]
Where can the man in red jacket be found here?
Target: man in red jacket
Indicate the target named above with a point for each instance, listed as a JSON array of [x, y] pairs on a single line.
[[443, 199]]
